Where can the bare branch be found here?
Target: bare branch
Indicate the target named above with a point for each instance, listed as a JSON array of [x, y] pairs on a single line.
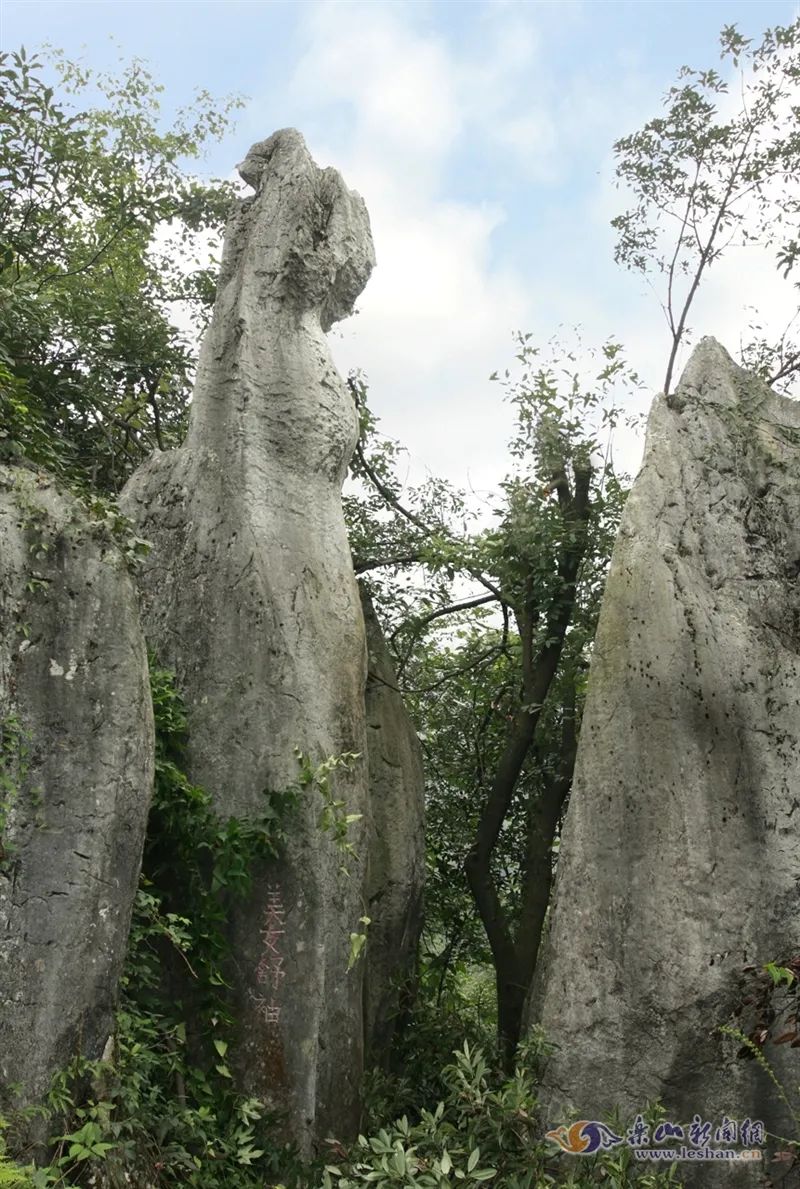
[[392, 500], [400, 559], [418, 623]]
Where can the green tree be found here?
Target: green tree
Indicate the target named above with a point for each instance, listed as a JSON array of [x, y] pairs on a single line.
[[717, 169], [98, 222], [495, 678]]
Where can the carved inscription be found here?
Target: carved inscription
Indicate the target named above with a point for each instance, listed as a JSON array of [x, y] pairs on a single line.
[[270, 972]]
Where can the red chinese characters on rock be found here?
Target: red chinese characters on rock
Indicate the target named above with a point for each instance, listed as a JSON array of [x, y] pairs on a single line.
[[269, 972]]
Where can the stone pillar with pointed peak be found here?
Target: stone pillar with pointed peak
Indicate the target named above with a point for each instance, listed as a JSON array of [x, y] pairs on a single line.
[[680, 853], [249, 594]]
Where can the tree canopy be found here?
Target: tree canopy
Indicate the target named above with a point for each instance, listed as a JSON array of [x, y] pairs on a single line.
[[98, 219]]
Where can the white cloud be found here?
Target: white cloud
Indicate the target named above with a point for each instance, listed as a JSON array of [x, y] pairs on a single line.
[[408, 113], [436, 317], [433, 323], [398, 83]]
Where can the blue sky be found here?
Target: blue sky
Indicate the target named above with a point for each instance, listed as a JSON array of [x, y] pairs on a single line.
[[481, 136]]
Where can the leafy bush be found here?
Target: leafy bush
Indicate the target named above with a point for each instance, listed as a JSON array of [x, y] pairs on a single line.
[[454, 1004], [101, 232], [484, 1131], [11, 1175], [162, 1110], [475, 1125]]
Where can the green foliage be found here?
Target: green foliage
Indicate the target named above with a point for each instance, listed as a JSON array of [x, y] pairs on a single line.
[[491, 627], [756, 1052], [476, 1124], [102, 511], [392, 528], [788, 1153], [12, 1176], [769, 1007], [190, 850], [14, 763], [333, 817], [484, 1130], [336, 821], [718, 168], [780, 974], [768, 1014], [98, 223], [455, 1004], [358, 942], [162, 1107]]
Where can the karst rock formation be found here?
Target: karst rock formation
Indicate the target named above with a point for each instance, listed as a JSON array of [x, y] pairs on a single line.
[[249, 594], [680, 856], [76, 777], [396, 844]]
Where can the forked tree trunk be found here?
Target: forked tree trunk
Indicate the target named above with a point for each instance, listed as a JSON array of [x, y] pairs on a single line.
[[515, 944]]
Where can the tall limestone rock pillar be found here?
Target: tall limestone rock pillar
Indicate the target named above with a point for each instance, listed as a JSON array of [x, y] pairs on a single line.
[[249, 594], [396, 844], [681, 849], [76, 777]]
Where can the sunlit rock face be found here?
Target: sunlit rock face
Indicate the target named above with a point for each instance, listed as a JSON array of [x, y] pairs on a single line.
[[396, 845], [249, 594], [76, 776], [680, 853]]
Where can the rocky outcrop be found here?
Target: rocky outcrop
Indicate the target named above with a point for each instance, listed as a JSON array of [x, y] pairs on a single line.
[[249, 594], [680, 851], [76, 774], [396, 844]]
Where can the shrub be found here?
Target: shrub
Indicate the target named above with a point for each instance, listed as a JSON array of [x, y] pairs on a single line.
[[484, 1131]]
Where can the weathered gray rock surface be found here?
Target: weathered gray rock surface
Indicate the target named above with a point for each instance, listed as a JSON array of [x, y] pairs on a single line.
[[396, 847], [249, 594], [680, 852], [76, 774]]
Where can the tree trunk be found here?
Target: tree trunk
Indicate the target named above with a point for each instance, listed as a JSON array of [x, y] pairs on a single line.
[[511, 994], [514, 951]]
